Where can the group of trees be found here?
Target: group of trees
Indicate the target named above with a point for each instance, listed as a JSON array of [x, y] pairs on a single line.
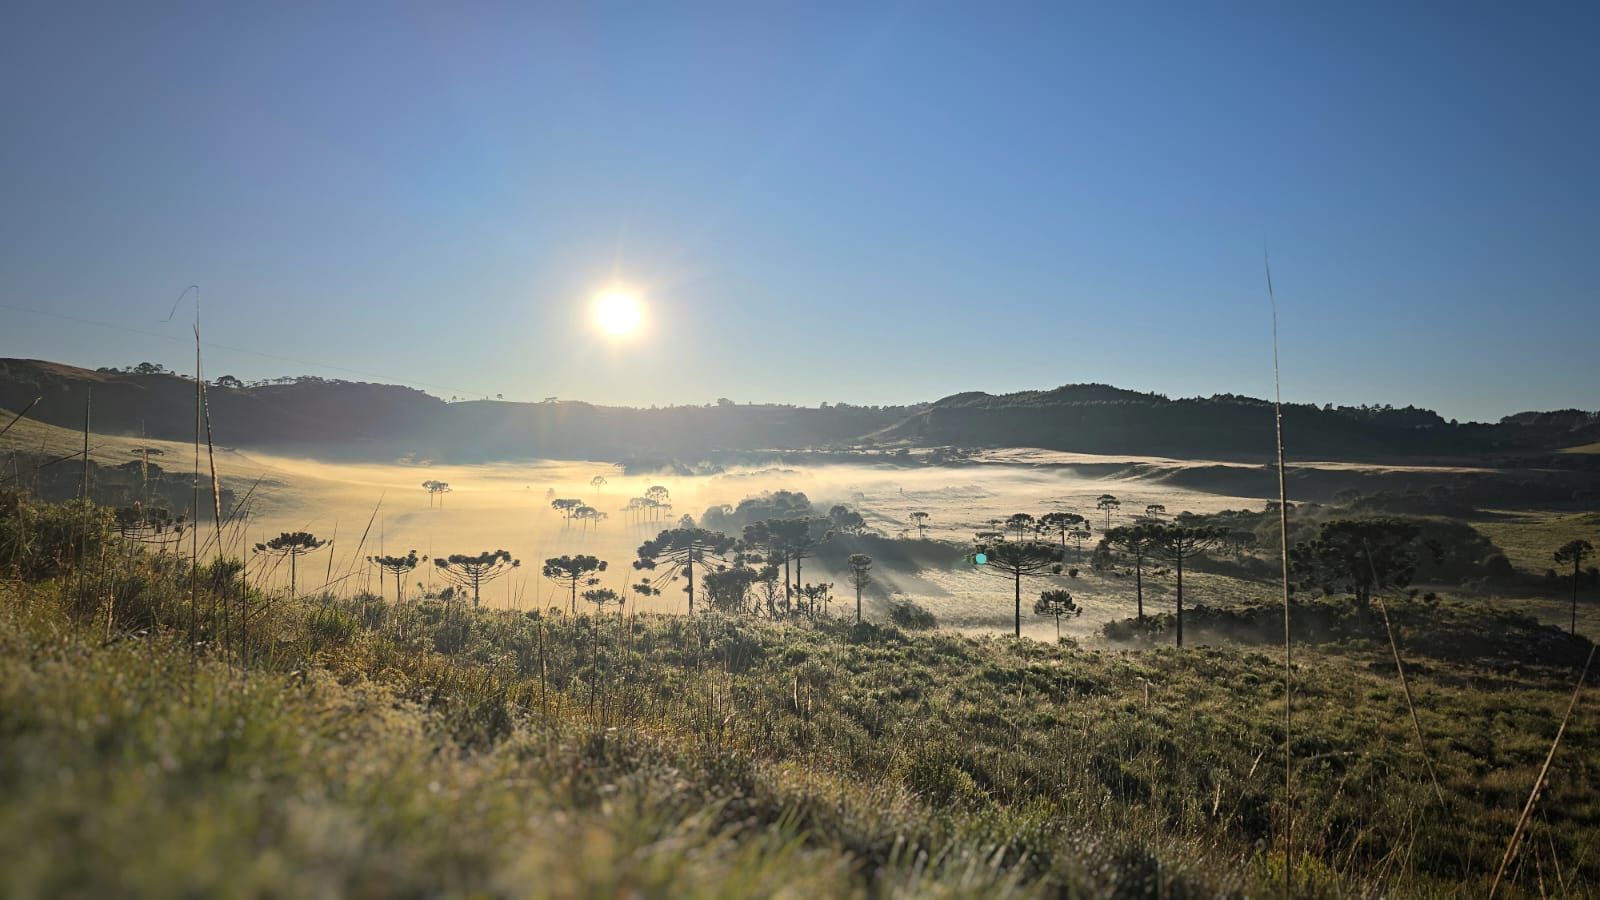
[[762, 569]]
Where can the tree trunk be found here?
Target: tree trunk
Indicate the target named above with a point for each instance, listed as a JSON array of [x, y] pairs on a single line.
[[1138, 585], [691, 581], [1576, 561], [1180, 600], [1019, 603], [788, 604], [858, 604]]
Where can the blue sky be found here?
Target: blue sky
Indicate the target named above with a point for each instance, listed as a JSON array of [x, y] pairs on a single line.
[[875, 203]]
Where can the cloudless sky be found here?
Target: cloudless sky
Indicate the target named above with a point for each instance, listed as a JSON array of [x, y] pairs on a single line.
[[874, 203]]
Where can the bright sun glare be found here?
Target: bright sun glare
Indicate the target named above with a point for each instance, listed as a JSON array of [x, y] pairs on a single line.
[[617, 313]]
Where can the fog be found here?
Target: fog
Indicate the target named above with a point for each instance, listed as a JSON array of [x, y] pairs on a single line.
[[368, 509]]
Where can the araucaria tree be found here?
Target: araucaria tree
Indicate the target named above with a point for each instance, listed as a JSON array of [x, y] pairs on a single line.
[[571, 571], [439, 488], [1179, 543], [397, 566], [1358, 557], [860, 577], [920, 519], [799, 539], [294, 545], [1109, 504], [1021, 523], [1574, 552], [1137, 542], [1017, 560], [566, 506], [677, 550], [473, 572], [1057, 603], [1155, 510], [1062, 523], [597, 482]]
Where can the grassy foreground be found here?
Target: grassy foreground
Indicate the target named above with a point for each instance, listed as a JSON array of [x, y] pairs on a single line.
[[343, 746]]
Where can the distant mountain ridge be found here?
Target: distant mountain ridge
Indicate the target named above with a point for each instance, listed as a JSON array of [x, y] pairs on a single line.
[[379, 421]]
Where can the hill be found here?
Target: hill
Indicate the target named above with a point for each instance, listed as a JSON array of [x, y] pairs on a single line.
[[333, 418]]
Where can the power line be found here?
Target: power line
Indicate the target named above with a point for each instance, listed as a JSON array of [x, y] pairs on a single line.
[[394, 379]]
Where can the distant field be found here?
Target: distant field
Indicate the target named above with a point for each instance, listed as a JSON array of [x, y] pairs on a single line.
[[1586, 448], [1529, 538]]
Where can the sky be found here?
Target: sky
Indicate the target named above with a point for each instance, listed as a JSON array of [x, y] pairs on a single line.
[[876, 203]]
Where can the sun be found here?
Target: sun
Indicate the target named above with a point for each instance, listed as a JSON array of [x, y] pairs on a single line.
[[617, 313]]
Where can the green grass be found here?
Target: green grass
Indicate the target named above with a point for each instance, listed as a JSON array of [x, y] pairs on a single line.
[[718, 757], [1529, 538]]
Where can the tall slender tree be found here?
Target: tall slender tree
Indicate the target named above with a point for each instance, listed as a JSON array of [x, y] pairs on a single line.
[[436, 489], [677, 550], [1059, 604], [920, 519], [571, 571], [293, 544], [473, 572], [1017, 560], [1179, 543], [1021, 523], [1062, 523], [860, 577], [1574, 552], [1138, 542], [566, 506], [398, 566], [800, 539], [1108, 503]]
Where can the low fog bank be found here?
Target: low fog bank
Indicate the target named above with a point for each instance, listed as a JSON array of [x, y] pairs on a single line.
[[369, 508]]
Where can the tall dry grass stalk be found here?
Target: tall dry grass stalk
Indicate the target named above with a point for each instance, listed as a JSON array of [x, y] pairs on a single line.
[[1283, 548], [1538, 783]]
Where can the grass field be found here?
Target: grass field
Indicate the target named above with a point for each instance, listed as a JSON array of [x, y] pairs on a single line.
[[344, 746]]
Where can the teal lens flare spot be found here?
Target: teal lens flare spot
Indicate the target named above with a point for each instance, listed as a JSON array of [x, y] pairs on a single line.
[[981, 558]]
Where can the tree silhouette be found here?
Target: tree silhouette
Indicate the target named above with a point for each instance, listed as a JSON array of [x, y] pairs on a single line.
[[1108, 503], [1057, 603], [798, 540], [677, 550], [1020, 523], [1358, 557], [587, 514], [1061, 523], [1155, 510], [1574, 552], [766, 542], [660, 499], [846, 520], [1017, 560], [1137, 541], [815, 594], [920, 519], [728, 589], [598, 482], [294, 545], [439, 488], [475, 571], [397, 566], [1079, 535], [1178, 543], [570, 571], [860, 577], [566, 506]]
